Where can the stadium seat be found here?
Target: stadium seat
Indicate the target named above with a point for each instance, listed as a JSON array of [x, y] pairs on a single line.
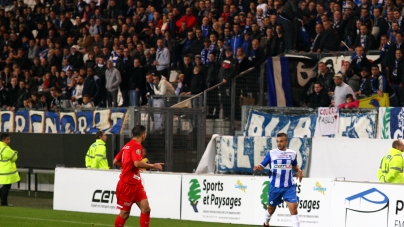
[[34, 32]]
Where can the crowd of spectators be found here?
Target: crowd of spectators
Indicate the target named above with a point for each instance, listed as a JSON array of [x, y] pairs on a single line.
[[60, 50]]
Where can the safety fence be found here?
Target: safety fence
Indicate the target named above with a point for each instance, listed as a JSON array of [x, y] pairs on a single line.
[[224, 101], [166, 100], [176, 136]]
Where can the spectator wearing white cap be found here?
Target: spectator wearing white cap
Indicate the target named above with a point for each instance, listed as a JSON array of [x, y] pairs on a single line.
[[341, 90], [76, 58]]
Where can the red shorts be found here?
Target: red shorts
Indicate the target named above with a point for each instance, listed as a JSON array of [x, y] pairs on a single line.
[[127, 194]]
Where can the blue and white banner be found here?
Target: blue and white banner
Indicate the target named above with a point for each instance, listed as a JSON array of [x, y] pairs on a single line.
[[265, 124], [239, 154], [288, 79], [357, 125], [351, 125], [278, 82], [391, 123], [110, 121]]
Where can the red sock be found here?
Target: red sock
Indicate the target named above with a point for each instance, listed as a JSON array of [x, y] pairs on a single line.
[[144, 220], [119, 221]]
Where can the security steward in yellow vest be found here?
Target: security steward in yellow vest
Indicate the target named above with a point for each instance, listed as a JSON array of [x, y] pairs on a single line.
[[8, 169], [96, 156], [391, 166]]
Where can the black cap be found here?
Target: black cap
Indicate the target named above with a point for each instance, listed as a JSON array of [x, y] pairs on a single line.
[[364, 69], [229, 49]]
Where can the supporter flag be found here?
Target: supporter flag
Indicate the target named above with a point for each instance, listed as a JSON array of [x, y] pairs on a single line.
[[375, 101], [289, 79], [279, 91]]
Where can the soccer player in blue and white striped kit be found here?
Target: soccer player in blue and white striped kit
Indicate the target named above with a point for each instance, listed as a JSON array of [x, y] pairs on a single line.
[[282, 188]]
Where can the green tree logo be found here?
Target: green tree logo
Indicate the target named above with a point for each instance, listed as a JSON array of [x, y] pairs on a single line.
[[386, 124], [264, 195], [194, 193]]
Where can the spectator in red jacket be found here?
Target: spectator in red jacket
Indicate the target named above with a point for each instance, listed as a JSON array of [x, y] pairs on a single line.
[[226, 13], [188, 18], [350, 103]]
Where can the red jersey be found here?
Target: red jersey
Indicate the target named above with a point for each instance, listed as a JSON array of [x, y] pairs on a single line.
[[131, 152]]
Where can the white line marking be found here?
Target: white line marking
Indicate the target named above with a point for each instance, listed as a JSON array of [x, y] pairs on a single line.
[[51, 220]]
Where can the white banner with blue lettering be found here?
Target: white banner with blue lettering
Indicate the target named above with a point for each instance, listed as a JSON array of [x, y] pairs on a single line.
[[351, 125], [239, 154], [265, 124], [81, 122]]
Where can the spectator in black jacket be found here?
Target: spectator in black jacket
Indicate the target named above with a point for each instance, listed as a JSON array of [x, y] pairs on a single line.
[[226, 73], [360, 60], [150, 87], [187, 70], [319, 98], [76, 58], [125, 69], [315, 46], [93, 87], [379, 23], [137, 83], [396, 78], [325, 77], [330, 38], [256, 56], [197, 44], [13, 93], [197, 81], [350, 28], [365, 39], [3, 95], [212, 79], [365, 89], [22, 95]]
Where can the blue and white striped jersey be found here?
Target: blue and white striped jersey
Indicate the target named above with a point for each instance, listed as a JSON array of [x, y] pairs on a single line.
[[280, 164]]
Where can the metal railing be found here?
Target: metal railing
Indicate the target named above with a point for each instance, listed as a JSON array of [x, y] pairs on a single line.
[[169, 100], [329, 54], [175, 135]]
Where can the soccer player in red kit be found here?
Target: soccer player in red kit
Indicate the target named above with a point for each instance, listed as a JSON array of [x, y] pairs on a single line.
[[130, 188]]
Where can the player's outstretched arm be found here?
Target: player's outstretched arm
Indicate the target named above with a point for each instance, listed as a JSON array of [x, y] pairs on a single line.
[[258, 167], [140, 164], [299, 172]]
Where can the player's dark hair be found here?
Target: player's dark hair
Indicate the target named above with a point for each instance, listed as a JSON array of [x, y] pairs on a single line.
[[282, 134], [4, 136], [138, 130], [99, 134]]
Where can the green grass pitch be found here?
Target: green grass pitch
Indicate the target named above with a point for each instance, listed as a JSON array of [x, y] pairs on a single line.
[[30, 211], [37, 217]]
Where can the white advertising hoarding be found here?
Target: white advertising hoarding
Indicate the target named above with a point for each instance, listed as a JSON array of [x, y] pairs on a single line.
[[86, 190], [367, 204], [243, 199], [210, 198], [335, 157], [313, 205]]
